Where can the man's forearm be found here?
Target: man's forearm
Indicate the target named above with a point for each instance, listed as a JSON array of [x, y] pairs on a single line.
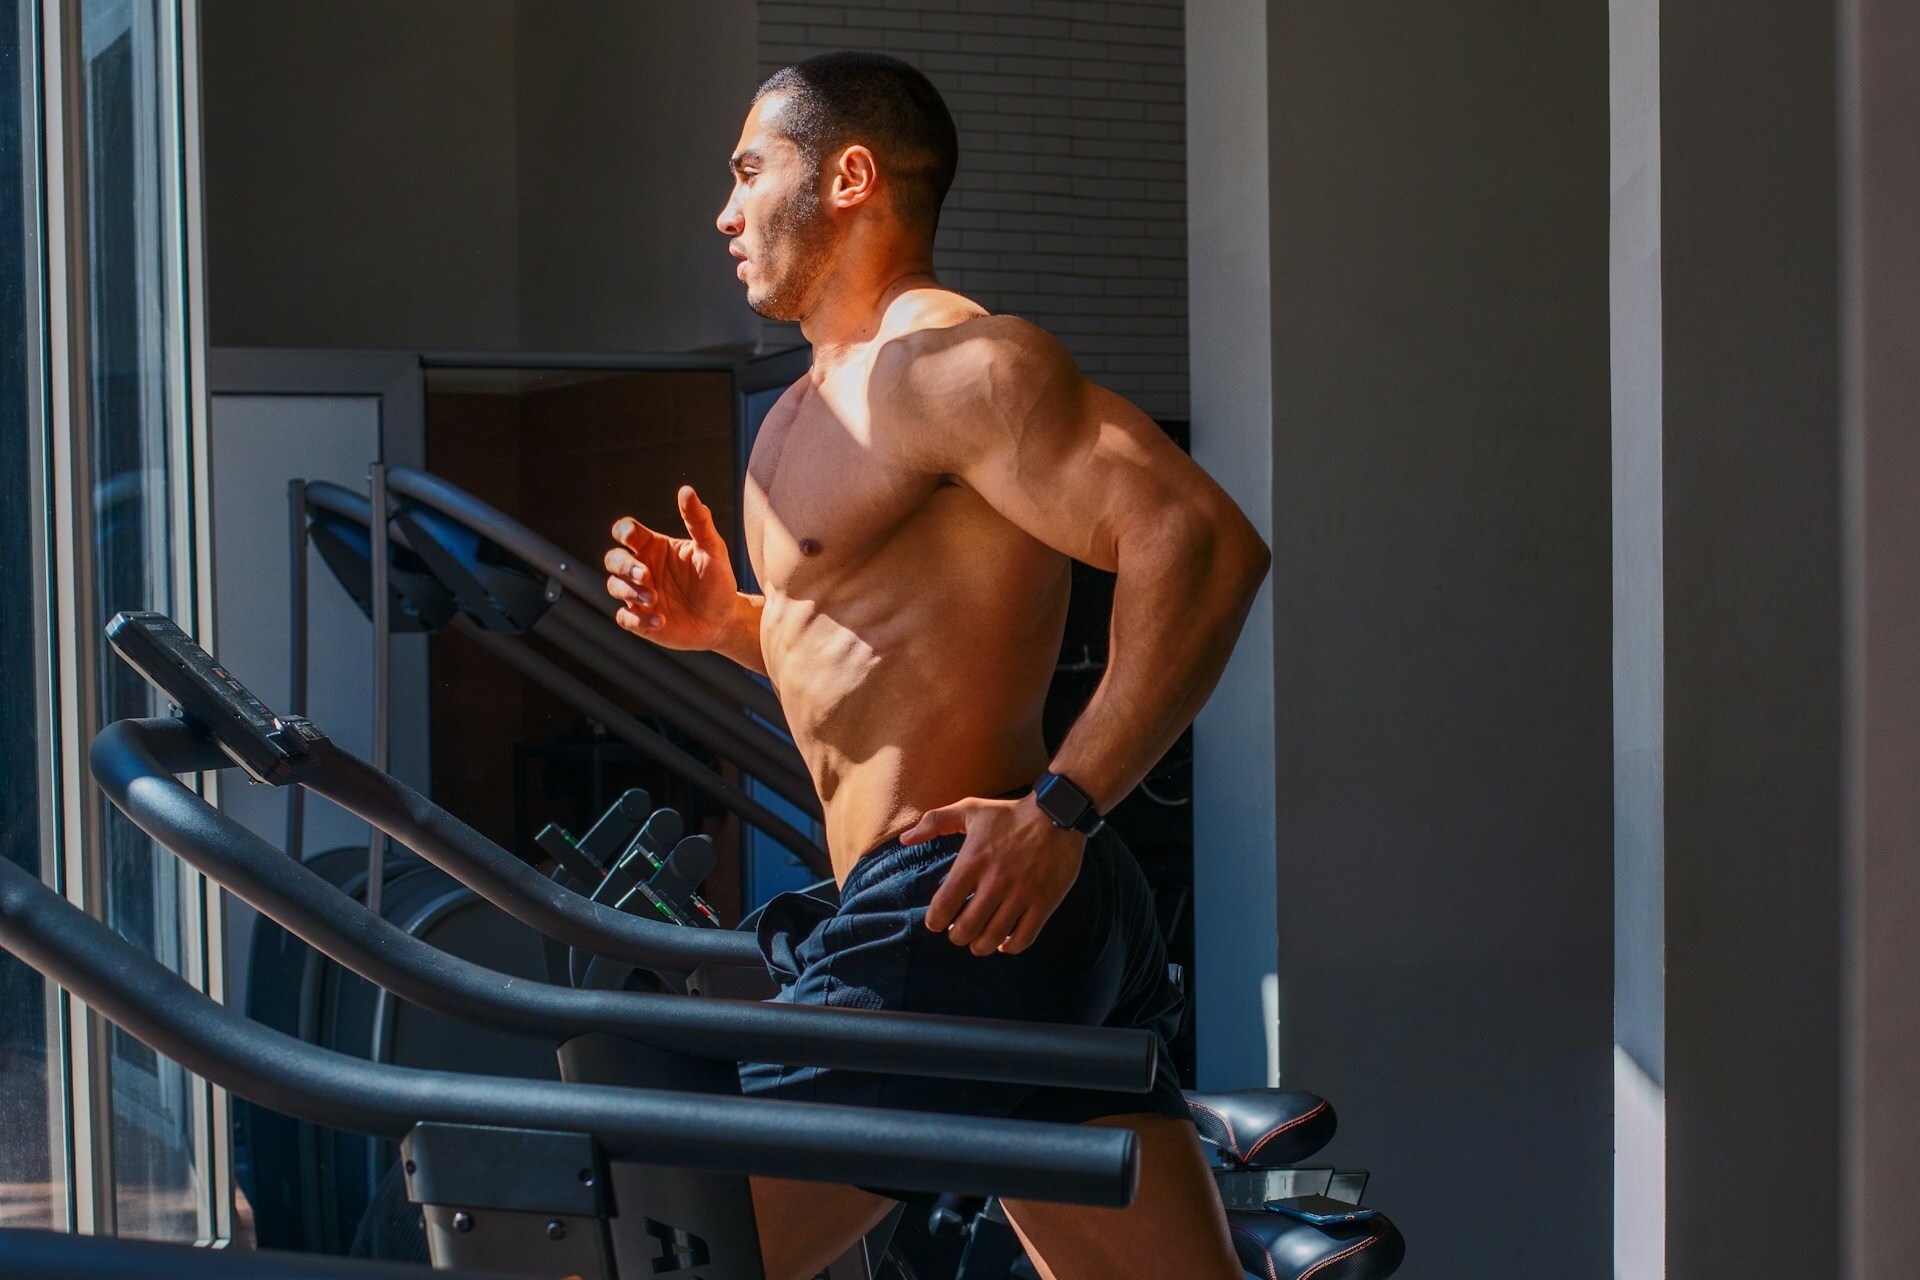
[[1177, 611], [741, 639]]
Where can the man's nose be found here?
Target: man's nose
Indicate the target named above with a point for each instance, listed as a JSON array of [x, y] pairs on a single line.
[[730, 220]]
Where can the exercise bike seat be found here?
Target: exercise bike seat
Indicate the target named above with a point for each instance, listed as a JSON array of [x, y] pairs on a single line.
[[1263, 1128], [1272, 1246]]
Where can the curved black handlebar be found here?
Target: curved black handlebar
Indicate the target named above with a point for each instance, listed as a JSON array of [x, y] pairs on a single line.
[[583, 580], [860, 1145], [55, 1255], [582, 696], [507, 882], [638, 668], [127, 761]]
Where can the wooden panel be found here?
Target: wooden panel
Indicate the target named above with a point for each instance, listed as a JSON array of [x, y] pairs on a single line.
[[594, 451], [567, 461]]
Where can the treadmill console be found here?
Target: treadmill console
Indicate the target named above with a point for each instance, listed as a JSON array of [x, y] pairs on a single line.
[[270, 749]]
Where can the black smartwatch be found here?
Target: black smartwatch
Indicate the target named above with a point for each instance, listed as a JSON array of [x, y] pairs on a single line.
[[1066, 805]]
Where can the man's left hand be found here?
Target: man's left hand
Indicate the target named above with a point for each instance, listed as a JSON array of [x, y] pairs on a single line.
[[1010, 875]]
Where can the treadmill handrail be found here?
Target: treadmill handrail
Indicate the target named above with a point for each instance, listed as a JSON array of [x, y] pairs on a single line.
[[583, 581], [710, 717], [644, 672], [522, 657], [512, 885], [126, 760], [816, 1141], [57, 1255]]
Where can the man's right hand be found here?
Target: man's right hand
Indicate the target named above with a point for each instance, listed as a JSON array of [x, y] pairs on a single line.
[[678, 592]]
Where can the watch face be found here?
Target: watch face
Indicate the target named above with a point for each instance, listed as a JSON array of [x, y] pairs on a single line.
[[1060, 800]]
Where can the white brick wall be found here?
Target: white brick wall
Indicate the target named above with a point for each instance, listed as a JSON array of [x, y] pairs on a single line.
[[1070, 204]]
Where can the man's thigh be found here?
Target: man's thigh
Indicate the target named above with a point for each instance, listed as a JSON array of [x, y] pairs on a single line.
[[804, 1226], [1174, 1227]]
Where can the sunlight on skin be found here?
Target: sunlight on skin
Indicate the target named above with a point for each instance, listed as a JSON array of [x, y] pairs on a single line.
[[911, 511]]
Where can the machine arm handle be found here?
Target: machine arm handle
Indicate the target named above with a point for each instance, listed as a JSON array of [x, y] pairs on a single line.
[[134, 762], [813, 1141], [583, 580], [509, 883]]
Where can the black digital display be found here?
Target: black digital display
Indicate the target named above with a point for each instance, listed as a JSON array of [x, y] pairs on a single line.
[[208, 694]]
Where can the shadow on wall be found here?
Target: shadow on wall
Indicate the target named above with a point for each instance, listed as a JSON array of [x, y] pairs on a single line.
[[472, 174]]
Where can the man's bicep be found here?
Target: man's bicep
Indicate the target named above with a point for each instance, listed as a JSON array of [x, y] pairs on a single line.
[[1089, 470], [999, 404]]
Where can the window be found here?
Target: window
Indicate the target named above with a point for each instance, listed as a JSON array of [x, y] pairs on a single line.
[[128, 234], [32, 1108]]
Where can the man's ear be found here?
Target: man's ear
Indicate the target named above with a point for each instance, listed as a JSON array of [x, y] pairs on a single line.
[[854, 178]]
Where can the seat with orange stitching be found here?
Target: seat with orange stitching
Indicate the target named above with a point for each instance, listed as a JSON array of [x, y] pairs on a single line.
[[1272, 1247], [1263, 1128]]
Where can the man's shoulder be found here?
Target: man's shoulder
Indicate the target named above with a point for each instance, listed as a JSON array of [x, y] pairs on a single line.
[[957, 352]]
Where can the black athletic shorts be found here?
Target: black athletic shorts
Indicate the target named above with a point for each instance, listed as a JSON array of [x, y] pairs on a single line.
[[1099, 961]]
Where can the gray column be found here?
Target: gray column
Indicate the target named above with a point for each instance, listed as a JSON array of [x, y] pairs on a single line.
[[1639, 741], [1785, 309], [1880, 499], [1752, 636], [1230, 296], [1442, 703]]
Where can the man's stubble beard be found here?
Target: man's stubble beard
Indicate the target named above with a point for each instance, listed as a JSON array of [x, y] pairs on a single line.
[[797, 243]]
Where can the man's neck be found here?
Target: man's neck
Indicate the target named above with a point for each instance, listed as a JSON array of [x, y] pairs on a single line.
[[849, 311]]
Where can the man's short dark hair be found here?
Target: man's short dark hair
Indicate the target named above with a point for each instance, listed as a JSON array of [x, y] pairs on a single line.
[[886, 105]]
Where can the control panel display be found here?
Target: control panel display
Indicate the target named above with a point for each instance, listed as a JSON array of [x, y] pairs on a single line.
[[269, 749]]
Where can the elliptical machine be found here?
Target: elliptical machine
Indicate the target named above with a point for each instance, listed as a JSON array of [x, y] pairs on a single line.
[[678, 1196], [651, 1039], [501, 580]]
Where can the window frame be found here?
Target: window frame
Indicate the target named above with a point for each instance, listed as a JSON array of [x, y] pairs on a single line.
[[75, 854]]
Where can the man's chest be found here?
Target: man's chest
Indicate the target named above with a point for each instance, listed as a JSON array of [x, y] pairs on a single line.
[[822, 491]]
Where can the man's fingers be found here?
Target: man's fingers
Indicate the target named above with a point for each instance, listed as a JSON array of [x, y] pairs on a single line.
[[952, 894], [951, 821], [699, 521], [622, 563], [630, 533], [1023, 934], [625, 592], [993, 937], [976, 917], [637, 622]]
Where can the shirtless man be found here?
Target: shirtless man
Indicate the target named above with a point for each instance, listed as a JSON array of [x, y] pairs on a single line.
[[911, 509]]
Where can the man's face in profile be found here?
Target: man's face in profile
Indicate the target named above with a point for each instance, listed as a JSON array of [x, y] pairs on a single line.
[[774, 221]]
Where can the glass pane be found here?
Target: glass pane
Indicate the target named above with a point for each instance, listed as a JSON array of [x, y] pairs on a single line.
[[31, 1116], [131, 244]]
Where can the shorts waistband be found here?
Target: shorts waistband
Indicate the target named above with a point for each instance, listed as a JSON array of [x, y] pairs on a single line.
[[886, 859]]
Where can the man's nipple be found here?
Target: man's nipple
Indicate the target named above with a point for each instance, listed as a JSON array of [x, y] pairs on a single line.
[[809, 547]]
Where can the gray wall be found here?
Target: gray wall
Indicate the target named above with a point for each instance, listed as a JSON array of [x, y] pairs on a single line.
[[1442, 702], [472, 174], [260, 442], [1069, 207], [626, 115], [360, 173]]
